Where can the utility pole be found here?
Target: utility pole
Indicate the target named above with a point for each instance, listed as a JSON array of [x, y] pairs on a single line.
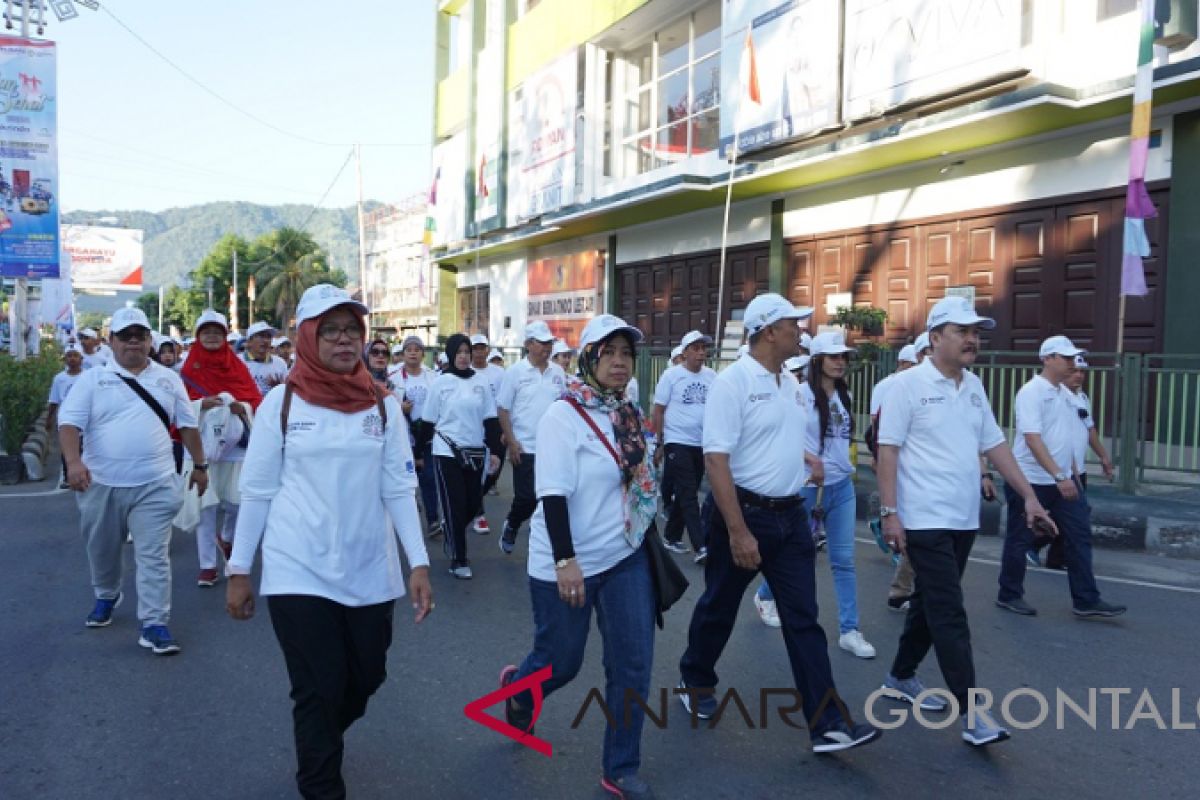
[[233, 311], [17, 338], [162, 294], [362, 238]]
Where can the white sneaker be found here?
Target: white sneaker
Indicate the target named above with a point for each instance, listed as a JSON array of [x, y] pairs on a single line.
[[767, 612], [853, 642], [481, 525]]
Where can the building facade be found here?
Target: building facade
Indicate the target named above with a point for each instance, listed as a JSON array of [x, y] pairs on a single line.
[[401, 284], [889, 152]]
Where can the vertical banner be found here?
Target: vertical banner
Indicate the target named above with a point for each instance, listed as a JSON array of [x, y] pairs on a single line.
[[541, 140], [489, 105], [565, 292], [28, 159]]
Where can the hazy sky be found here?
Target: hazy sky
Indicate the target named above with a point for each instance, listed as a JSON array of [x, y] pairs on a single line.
[[135, 134]]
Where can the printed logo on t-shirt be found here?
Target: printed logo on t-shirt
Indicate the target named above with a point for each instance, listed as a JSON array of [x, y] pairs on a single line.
[[373, 425], [937, 400], [695, 394], [163, 384], [977, 401], [763, 396], [415, 394]]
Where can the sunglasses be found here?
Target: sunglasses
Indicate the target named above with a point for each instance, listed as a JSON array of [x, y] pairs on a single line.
[[377, 352], [133, 336]]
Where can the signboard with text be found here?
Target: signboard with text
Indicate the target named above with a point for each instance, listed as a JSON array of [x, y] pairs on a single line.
[[565, 292], [541, 140], [104, 259]]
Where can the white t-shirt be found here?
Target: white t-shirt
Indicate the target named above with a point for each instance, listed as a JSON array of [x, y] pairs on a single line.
[[96, 359], [60, 387], [394, 369], [124, 441], [760, 425], [573, 463], [1082, 436], [494, 376], [414, 388], [880, 392], [457, 408], [526, 393], [941, 430], [836, 455], [683, 393], [267, 374], [1045, 409], [333, 495]]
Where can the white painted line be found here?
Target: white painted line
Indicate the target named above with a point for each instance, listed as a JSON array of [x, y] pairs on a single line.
[[46, 493], [1062, 573]]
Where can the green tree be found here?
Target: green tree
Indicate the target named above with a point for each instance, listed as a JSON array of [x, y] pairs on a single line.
[[290, 262], [218, 265], [148, 303]]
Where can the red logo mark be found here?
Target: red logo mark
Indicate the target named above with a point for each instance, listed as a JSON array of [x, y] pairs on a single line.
[[533, 683]]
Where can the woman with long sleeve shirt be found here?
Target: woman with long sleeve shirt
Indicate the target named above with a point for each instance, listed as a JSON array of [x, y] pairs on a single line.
[[598, 498], [460, 418], [328, 463]]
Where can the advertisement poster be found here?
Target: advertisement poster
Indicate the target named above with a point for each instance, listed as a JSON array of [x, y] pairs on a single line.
[[795, 54], [104, 259], [898, 51], [489, 103], [447, 195], [28, 159], [541, 141], [565, 292]]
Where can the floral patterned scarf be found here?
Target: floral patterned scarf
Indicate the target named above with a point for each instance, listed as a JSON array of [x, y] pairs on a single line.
[[639, 480]]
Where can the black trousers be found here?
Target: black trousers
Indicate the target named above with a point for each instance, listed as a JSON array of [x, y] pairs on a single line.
[[336, 658], [460, 495], [490, 480], [683, 468], [524, 492], [936, 616]]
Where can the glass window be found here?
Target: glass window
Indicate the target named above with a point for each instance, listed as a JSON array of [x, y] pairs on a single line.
[[706, 131], [673, 98], [673, 46], [707, 30], [706, 83]]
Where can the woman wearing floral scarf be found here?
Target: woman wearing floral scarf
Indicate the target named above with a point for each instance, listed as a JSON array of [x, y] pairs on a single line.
[[597, 493]]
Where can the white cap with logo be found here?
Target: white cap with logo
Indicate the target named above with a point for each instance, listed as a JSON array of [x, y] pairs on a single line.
[[829, 343], [492, 356], [796, 363], [278, 340], [908, 354], [320, 298], [1081, 362], [559, 348], [479, 339], [211, 317], [956, 310], [538, 331], [921, 343], [1059, 346], [677, 352], [89, 333], [602, 326], [691, 337], [767, 309], [124, 318], [72, 348], [259, 327]]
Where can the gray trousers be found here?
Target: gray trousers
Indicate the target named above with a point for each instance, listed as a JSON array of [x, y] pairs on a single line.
[[106, 513]]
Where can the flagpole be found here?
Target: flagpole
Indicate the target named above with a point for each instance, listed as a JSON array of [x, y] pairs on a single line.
[[720, 327]]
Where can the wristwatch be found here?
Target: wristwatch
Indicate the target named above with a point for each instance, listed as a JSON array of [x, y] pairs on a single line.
[[1059, 477], [887, 511], [200, 467], [563, 563]]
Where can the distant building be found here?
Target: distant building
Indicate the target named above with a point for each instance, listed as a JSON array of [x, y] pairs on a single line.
[[400, 290]]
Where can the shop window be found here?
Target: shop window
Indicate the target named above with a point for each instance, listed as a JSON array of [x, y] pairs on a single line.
[[474, 309]]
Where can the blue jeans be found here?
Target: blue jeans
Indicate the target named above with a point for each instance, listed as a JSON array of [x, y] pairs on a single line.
[[1074, 521], [788, 562], [623, 598], [839, 504]]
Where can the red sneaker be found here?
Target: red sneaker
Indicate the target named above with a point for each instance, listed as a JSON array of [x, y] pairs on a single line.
[[481, 525], [207, 577]]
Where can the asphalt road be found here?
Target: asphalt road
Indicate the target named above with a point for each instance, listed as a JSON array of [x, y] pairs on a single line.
[[89, 714]]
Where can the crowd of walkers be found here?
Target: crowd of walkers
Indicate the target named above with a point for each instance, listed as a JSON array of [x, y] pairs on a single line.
[[330, 458]]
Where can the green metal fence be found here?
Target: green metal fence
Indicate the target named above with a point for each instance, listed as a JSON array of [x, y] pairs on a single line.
[[1146, 407]]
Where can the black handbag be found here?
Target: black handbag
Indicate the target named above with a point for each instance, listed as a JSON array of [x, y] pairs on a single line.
[[470, 458]]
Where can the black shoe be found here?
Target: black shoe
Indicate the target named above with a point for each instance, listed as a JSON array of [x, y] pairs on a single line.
[[631, 787], [508, 539], [519, 718], [705, 701], [841, 736], [1018, 606], [1099, 609], [898, 603]]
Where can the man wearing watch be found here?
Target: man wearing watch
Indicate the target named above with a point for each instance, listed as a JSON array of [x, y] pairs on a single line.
[[934, 425], [1045, 451]]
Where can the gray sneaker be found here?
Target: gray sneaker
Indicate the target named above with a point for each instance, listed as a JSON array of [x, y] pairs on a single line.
[[984, 731], [1018, 606], [909, 689]]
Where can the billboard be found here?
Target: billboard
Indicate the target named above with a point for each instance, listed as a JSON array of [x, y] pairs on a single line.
[[795, 53], [565, 292], [29, 245], [541, 139], [104, 259], [447, 195]]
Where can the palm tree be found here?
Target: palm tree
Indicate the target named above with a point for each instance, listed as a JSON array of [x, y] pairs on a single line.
[[282, 283]]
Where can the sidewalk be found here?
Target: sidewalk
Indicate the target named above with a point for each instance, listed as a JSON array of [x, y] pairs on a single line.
[[1162, 521]]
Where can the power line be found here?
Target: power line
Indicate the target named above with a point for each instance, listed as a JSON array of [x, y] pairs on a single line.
[[234, 106]]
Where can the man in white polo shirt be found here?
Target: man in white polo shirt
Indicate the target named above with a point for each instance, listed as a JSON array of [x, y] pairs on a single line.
[[267, 369], [679, 401], [934, 425], [754, 435], [93, 355], [1047, 423], [528, 389], [125, 476]]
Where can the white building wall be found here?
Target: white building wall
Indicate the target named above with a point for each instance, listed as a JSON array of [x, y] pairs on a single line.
[[749, 222]]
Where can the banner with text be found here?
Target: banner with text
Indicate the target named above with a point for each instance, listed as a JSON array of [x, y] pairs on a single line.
[[565, 292], [104, 259], [541, 140], [29, 245]]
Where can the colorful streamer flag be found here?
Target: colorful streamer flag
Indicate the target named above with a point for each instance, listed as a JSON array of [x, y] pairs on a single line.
[[1138, 206], [482, 189], [749, 72]]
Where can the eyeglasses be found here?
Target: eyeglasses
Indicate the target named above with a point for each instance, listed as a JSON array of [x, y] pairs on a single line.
[[331, 333], [138, 335], [839, 356], [379, 353]]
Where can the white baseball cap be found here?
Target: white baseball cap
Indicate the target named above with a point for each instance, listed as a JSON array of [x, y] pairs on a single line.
[[72, 348], [691, 337], [958, 311], [538, 331], [259, 327], [479, 339], [796, 363], [677, 352], [441, 358], [90, 333], [908, 353], [492, 356], [233, 337], [158, 340], [320, 298], [767, 309], [397, 349], [559, 348], [1081, 362], [124, 318], [278, 340], [1059, 346], [921, 343], [211, 316], [602, 326], [829, 343], [806, 340], [743, 350]]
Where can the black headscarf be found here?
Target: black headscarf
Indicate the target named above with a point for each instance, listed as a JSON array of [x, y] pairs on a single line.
[[378, 374], [452, 346]]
